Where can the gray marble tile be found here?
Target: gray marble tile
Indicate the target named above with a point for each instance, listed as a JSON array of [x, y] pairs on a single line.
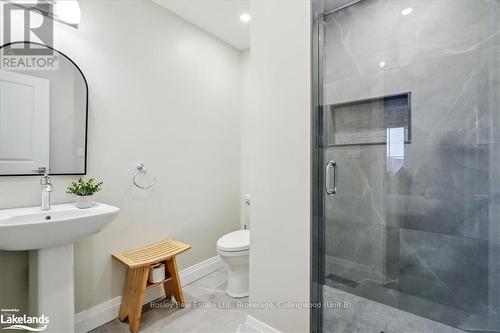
[[348, 313], [209, 309], [445, 269], [245, 328], [359, 38]]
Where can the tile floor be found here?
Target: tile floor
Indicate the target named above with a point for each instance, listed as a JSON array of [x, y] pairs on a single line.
[[362, 315], [208, 310]]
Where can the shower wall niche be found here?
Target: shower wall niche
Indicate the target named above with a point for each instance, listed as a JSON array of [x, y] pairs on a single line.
[[368, 121]]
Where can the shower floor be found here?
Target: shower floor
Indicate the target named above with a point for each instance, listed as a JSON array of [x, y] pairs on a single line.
[[348, 313], [381, 307]]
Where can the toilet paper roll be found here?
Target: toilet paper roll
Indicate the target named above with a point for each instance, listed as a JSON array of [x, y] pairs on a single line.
[[156, 273]]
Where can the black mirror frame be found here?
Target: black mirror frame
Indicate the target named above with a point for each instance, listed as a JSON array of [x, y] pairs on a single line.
[[86, 112]]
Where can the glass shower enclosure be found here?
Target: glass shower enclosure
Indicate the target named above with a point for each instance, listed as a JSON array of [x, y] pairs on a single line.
[[406, 230]]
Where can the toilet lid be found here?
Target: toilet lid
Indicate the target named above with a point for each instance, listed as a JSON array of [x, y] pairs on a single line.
[[234, 241]]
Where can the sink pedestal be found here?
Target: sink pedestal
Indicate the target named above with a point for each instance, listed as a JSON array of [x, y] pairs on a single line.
[[51, 287], [49, 236]]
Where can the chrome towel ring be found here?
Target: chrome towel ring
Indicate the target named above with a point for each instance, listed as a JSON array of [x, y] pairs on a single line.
[[141, 169]]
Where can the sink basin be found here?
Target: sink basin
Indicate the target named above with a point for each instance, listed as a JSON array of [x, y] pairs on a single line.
[[31, 228], [49, 235]]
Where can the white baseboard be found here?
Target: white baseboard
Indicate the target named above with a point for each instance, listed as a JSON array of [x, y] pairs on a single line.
[[201, 269], [259, 326], [105, 312]]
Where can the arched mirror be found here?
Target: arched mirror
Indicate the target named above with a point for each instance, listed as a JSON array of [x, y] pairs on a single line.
[[43, 112]]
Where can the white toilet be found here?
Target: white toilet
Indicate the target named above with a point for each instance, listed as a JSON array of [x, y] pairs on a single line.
[[234, 249]]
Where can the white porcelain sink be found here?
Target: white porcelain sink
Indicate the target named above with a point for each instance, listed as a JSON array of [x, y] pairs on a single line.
[[32, 229], [49, 235]]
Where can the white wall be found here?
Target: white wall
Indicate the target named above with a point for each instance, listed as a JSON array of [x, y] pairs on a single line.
[[161, 92], [278, 120], [246, 87]]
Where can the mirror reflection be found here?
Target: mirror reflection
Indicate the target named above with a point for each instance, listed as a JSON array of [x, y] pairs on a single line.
[[43, 112]]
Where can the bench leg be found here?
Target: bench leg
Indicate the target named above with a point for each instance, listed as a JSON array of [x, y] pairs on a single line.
[[135, 298], [173, 286], [126, 295]]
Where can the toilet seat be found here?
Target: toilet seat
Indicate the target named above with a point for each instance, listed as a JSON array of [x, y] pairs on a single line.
[[233, 253], [236, 241]]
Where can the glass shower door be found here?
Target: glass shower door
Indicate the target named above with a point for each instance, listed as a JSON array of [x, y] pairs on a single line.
[[410, 166], [360, 169]]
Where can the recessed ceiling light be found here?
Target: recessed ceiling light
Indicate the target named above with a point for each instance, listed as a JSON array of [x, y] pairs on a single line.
[[245, 18], [382, 64], [406, 11]]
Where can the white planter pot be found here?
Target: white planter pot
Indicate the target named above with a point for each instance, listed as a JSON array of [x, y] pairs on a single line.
[[85, 201]]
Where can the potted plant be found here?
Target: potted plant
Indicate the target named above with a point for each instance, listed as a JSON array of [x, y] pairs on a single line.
[[84, 191]]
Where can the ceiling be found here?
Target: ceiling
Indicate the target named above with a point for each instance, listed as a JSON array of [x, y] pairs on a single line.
[[221, 18]]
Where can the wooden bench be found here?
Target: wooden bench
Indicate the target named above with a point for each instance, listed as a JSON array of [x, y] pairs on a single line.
[[138, 262]]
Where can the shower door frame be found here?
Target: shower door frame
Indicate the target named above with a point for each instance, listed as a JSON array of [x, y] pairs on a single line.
[[317, 211], [317, 269]]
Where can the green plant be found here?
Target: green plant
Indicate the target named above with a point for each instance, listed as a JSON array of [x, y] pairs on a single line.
[[84, 187]]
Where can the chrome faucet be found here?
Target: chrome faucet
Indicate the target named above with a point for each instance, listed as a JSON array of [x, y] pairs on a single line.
[[47, 187]]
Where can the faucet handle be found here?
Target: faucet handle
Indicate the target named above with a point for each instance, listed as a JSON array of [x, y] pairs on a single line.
[[45, 180], [41, 170]]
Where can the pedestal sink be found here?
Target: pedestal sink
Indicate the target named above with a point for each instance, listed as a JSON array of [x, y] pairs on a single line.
[[49, 235]]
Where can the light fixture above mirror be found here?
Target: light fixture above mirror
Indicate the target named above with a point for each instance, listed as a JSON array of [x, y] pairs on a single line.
[[64, 11], [68, 11]]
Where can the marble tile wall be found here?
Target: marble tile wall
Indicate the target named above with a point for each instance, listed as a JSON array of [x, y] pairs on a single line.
[[426, 229]]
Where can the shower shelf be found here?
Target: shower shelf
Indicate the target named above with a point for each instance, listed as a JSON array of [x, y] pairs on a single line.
[[367, 121]]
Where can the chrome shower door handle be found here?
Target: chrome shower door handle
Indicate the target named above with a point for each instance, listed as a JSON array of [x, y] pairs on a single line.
[[331, 191]]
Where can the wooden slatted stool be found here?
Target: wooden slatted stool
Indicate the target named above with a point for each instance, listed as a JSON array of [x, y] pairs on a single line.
[[138, 262]]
